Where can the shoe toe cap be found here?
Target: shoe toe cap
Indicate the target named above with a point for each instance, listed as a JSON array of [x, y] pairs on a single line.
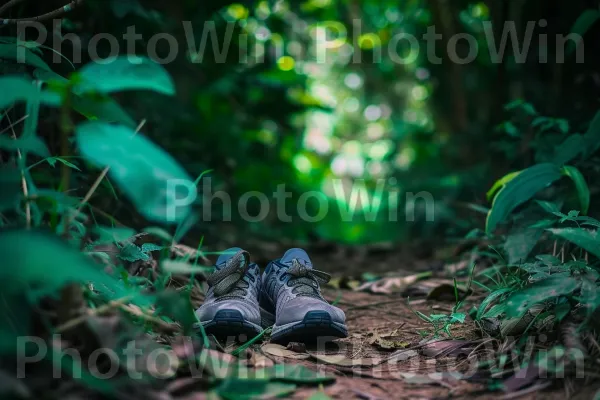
[[249, 312], [296, 309]]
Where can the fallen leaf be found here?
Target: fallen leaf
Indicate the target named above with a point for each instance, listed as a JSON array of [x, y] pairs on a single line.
[[446, 348], [343, 361], [280, 351], [258, 360], [435, 289], [388, 342], [439, 378], [392, 284]]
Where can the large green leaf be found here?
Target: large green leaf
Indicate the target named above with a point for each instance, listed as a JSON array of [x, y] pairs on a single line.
[[573, 146], [121, 73], [43, 261], [140, 168], [177, 306], [518, 245], [544, 290], [500, 183], [519, 190], [16, 88], [93, 107], [584, 238], [583, 191], [11, 52], [582, 25]]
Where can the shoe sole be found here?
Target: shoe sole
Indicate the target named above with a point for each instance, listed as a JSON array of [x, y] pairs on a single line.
[[316, 326], [227, 323]]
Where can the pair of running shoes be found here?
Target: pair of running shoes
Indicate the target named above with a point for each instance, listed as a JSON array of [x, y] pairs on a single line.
[[287, 296]]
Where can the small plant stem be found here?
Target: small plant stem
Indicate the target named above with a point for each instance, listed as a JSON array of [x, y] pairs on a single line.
[[23, 180]]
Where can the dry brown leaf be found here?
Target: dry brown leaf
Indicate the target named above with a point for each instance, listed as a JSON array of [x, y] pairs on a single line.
[[277, 350], [258, 360], [391, 284], [343, 361], [388, 341], [446, 347]]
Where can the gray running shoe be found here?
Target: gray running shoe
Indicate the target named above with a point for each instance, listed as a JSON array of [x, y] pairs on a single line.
[[290, 297], [231, 304]]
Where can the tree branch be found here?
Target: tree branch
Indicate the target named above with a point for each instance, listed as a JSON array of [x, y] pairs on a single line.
[[10, 4], [44, 17]]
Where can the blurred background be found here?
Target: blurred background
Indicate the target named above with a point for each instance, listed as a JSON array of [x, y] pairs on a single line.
[[269, 112]]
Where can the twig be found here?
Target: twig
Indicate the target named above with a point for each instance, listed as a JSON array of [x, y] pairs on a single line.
[[96, 311], [165, 326], [23, 180], [14, 124], [52, 14]]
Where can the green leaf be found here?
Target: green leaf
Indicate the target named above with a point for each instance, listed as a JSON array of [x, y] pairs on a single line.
[[15, 89], [500, 183], [582, 25], [109, 235], [319, 396], [33, 113], [294, 373], [573, 146], [584, 238], [47, 263], [518, 245], [177, 306], [93, 107], [246, 389], [103, 109], [183, 268], [141, 169], [519, 190], [148, 247], [489, 300], [548, 206], [132, 253], [27, 144], [583, 191], [544, 290], [120, 73], [20, 54], [52, 161]]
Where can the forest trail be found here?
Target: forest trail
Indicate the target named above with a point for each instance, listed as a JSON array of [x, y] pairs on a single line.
[[392, 352]]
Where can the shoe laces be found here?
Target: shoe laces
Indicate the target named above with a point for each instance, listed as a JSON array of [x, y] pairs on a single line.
[[228, 282], [305, 281]]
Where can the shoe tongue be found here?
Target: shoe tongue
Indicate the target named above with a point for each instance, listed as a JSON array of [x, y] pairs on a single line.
[[226, 256], [297, 254]]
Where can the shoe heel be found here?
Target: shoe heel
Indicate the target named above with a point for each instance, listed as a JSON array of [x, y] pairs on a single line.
[[266, 318]]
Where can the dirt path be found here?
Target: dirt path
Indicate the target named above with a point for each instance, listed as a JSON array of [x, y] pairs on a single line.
[[422, 375]]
